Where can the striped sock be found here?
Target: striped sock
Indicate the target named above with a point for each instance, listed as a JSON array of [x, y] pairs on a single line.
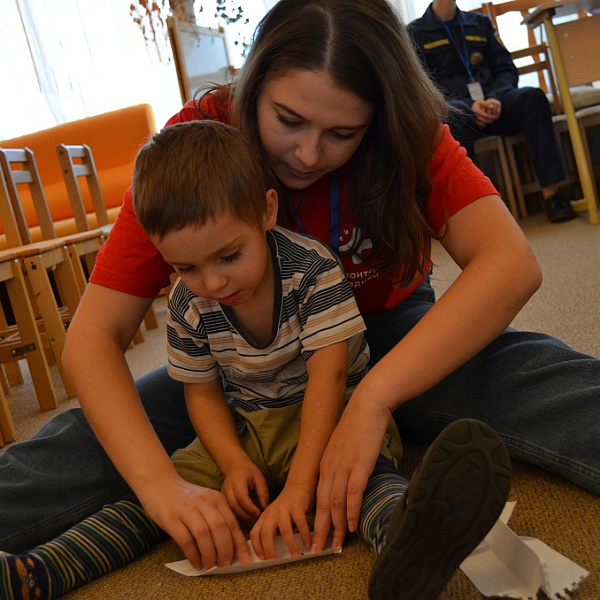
[[109, 539], [381, 495]]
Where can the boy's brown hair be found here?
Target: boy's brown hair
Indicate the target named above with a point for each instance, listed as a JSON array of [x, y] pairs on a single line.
[[190, 173]]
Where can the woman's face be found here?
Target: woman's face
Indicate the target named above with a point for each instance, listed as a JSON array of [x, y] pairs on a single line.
[[309, 126]]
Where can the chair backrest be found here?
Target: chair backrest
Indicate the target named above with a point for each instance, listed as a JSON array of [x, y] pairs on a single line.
[[7, 215], [77, 162], [537, 51], [18, 167], [542, 65], [524, 7], [502, 8]]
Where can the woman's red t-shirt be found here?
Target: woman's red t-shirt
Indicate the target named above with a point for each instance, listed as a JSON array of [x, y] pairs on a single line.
[[130, 263]]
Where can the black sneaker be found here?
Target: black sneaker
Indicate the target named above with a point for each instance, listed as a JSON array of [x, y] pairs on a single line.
[[454, 498], [558, 208]]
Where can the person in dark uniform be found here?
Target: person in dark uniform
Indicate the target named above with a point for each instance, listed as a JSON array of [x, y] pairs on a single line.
[[466, 59]]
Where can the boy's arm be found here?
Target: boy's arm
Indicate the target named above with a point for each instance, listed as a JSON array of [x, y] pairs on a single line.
[[321, 410], [213, 422], [106, 391]]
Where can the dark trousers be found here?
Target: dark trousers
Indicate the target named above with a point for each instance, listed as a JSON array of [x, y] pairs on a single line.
[[523, 109]]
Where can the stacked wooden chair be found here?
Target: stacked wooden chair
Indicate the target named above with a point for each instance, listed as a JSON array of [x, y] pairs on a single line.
[[45, 279], [585, 98], [23, 341], [53, 266], [77, 164]]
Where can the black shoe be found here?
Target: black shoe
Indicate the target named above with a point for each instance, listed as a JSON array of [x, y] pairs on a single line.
[[454, 498], [558, 208]]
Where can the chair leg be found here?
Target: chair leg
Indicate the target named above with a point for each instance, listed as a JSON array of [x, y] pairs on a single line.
[[508, 181], [510, 153], [138, 338], [48, 309], [78, 271], [68, 278], [4, 384], [13, 373], [30, 336], [150, 319], [8, 432], [588, 155]]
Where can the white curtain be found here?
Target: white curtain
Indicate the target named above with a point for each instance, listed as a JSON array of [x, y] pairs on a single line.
[[68, 59]]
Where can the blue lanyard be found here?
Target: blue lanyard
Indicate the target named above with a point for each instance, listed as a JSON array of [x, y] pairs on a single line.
[[463, 53], [334, 212]]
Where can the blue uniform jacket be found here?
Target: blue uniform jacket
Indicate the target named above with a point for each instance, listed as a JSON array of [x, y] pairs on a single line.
[[491, 63]]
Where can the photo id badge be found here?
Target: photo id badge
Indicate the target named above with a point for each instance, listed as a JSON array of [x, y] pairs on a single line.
[[475, 91]]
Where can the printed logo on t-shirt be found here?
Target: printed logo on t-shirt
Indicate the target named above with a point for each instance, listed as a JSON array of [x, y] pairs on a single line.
[[346, 244], [357, 275]]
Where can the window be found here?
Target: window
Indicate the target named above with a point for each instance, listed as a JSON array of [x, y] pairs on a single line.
[[61, 61]]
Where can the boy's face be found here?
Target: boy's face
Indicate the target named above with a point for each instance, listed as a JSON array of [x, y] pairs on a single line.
[[226, 259]]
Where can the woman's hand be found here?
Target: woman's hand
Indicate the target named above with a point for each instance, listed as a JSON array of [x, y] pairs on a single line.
[[348, 461], [289, 508], [241, 478], [199, 520]]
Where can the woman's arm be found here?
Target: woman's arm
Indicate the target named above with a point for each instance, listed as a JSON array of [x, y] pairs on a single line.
[[321, 410], [94, 356], [499, 274]]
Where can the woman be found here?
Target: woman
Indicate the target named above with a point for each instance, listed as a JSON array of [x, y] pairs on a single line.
[[333, 97]]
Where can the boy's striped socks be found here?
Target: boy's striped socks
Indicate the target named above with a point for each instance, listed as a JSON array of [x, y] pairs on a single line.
[[379, 500], [109, 539]]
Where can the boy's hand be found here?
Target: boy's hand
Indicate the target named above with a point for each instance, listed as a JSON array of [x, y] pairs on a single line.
[[289, 508], [199, 520], [240, 479]]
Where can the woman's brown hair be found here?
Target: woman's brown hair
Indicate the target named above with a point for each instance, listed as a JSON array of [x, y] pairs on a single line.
[[365, 48]]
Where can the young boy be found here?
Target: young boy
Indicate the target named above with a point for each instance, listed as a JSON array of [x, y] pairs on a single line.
[[264, 331]]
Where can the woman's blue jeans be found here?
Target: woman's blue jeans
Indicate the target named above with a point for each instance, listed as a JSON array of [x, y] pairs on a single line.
[[541, 396]]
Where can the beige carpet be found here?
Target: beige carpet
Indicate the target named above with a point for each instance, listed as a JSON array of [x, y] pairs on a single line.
[[549, 508]]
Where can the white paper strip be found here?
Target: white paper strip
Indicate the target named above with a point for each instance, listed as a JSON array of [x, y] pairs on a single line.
[[509, 566], [558, 574], [503, 566], [185, 568]]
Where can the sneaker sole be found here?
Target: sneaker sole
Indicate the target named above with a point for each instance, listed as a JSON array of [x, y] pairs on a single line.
[[454, 498]]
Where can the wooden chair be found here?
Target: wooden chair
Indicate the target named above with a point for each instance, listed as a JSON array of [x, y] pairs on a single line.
[[582, 97], [522, 171], [77, 161], [23, 342], [19, 168], [493, 11], [537, 59], [53, 266], [494, 146], [77, 164]]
